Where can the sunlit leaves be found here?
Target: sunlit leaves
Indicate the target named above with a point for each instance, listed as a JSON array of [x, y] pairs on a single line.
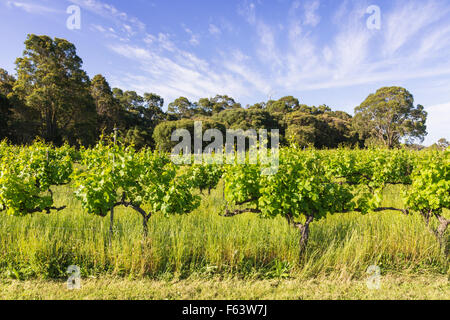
[[430, 190], [27, 173], [113, 175]]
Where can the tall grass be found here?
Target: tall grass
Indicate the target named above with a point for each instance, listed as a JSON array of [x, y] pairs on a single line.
[[206, 244]]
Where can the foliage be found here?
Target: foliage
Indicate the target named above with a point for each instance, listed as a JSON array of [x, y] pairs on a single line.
[[430, 188], [163, 132], [115, 175], [389, 115], [205, 176], [51, 82], [27, 174]]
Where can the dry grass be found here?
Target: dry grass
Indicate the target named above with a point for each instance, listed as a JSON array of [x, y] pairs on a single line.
[[392, 287]]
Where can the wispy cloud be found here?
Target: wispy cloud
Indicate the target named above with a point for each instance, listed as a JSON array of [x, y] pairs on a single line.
[[176, 72], [214, 30], [355, 55], [129, 24], [292, 57], [31, 7], [195, 38], [407, 19], [311, 16]]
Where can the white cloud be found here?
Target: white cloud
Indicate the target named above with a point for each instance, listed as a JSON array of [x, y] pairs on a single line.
[[99, 28], [247, 10], [293, 59], [149, 39], [31, 7], [130, 25], [177, 72], [407, 19], [311, 16], [165, 42], [214, 30], [195, 38]]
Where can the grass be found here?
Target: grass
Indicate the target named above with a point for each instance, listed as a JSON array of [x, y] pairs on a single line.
[[392, 287], [254, 253]]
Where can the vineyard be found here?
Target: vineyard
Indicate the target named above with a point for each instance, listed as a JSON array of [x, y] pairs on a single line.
[[115, 210]]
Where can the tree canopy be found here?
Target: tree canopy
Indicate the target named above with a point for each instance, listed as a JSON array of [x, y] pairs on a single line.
[[50, 81], [389, 115]]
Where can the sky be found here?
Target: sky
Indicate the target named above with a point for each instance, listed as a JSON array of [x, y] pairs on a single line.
[[320, 51]]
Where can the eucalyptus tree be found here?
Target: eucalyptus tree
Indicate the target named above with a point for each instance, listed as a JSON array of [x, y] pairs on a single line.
[[389, 115], [50, 80]]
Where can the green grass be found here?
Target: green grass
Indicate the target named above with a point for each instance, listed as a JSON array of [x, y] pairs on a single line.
[[207, 246], [392, 287]]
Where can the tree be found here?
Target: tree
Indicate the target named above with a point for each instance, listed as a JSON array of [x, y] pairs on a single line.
[[389, 115], [212, 106], [108, 108], [19, 122], [181, 108], [5, 114], [443, 143], [6, 84], [140, 115], [224, 102], [257, 106], [154, 105], [283, 105], [51, 82], [247, 119], [319, 127], [163, 132]]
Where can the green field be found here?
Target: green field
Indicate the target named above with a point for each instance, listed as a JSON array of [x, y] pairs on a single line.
[[259, 257]]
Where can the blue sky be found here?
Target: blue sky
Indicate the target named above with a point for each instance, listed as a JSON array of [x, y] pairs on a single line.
[[320, 51]]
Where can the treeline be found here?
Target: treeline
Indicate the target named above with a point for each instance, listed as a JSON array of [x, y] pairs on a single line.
[[52, 97]]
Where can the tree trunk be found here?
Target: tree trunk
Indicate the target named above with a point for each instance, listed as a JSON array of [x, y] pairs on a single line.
[[145, 225], [440, 232], [48, 125], [145, 216], [111, 222], [304, 237]]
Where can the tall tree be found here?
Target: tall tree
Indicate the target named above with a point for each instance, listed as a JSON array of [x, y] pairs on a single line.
[[51, 82], [18, 122], [6, 85], [181, 108], [306, 126], [389, 115], [212, 106], [224, 102], [283, 105], [108, 108], [205, 106], [153, 107], [141, 115], [5, 114], [6, 82]]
